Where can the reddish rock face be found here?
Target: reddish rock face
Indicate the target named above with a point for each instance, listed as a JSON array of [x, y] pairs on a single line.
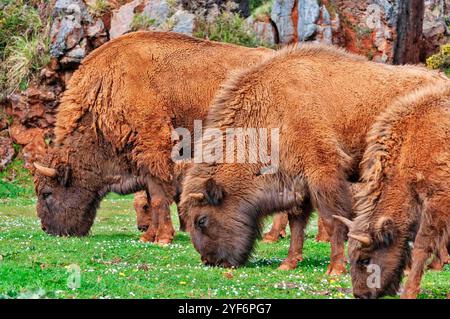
[[385, 31]]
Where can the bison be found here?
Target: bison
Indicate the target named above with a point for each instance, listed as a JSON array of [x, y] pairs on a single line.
[[323, 101], [405, 196], [278, 229], [114, 124], [145, 217]]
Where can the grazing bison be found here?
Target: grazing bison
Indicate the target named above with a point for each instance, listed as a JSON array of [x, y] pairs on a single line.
[[145, 217], [114, 124], [323, 101], [405, 195], [278, 229]]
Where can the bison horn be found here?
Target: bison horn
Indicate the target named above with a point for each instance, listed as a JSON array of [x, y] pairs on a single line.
[[46, 171], [365, 240], [197, 196], [345, 221]]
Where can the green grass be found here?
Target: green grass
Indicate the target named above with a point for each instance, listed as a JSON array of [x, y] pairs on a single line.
[[16, 182], [114, 264]]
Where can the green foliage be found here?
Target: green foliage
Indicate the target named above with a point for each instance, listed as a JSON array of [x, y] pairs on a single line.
[[24, 42], [142, 22], [15, 182], [99, 7], [231, 28], [263, 10], [254, 4], [440, 60]]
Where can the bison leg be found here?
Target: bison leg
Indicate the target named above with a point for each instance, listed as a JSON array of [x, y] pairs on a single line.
[[298, 219], [278, 229], [183, 222], [322, 234], [440, 259], [332, 196], [423, 247], [160, 202], [412, 286]]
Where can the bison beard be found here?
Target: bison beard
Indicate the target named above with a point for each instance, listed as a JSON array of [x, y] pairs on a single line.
[[324, 105]]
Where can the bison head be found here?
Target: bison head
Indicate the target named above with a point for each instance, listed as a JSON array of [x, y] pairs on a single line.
[[378, 256], [65, 206], [225, 221], [69, 191], [223, 226]]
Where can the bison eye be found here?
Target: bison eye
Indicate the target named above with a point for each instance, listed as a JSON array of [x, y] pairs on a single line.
[[201, 222], [46, 194], [363, 262]]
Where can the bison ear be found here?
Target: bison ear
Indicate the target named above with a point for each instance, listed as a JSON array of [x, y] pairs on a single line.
[[64, 175], [385, 231], [214, 192]]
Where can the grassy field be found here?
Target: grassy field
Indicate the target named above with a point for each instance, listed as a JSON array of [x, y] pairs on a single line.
[[112, 263]]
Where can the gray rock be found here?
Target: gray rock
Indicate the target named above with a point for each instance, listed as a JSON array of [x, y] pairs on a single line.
[[263, 30], [69, 16], [326, 18], [6, 152], [390, 9], [157, 10], [308, 14], [184, 22], [122, 19], [282, 17], [434, 23], [96, 29], [71, 7]]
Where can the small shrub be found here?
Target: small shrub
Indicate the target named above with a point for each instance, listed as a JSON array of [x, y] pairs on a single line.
[[263, 11], [231, 28], [142, 22], [99, 7], [24, 41], [24, 58], [440, 60]]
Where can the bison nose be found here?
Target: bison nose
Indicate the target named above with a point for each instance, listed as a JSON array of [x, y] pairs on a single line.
[[142, 228]]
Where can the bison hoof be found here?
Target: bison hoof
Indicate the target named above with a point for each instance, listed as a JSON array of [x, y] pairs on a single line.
[[287, 266], [145, 239], [269, 238], [164, 242], [408, 295], [435, 266], [336, 270]]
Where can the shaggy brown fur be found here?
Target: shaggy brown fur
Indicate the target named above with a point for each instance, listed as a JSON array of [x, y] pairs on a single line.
[[113, 128], [324, 101], [406, 193]]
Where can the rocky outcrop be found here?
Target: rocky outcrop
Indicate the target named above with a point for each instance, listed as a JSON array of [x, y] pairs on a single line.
[[74, 32], [436, 30], [384, 30], [33, 115]]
